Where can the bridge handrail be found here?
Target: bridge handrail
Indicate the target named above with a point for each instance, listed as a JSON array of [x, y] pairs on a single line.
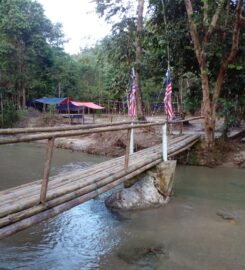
[[84, 130], [50, 135], [14, 131]]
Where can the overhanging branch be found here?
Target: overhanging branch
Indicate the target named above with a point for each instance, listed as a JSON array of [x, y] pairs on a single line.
[[231, 56], [214, 20], [194, 33], [242, 20]]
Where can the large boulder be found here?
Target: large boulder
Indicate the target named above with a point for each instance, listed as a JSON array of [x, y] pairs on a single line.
[[151, 189]]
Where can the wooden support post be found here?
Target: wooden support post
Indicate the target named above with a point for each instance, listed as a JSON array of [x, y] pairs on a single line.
[[181, 128], [127, 149], [131, 148], [93, 118], [83, 115], [47, 164], [164, 143], [69, 112]]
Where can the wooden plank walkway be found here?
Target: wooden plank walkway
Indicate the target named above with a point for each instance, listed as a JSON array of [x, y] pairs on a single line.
[[20, 207]]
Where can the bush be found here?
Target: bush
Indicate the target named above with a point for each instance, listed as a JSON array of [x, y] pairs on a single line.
[[9, 115]]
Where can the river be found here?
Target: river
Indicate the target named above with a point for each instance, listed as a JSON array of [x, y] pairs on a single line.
[[203, 226]]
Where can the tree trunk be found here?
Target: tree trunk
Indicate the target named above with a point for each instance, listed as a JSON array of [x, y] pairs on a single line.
[[2, 112], [140, 9], [209, 117], [18, 100], [59, 89], [210, 105]]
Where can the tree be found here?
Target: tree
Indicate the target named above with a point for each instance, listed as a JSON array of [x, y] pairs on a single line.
[[128, 35], [26, 40], [210, 36]]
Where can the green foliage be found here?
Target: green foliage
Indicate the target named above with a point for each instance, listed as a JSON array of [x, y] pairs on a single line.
[[9, 115], [193, 95], [27, 39], [232, 113], [33, 63]]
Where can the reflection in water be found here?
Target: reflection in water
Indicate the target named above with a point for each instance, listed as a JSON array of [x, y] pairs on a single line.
[[185, 234]]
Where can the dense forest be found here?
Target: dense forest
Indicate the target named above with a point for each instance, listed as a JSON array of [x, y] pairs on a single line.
[[203, 41]]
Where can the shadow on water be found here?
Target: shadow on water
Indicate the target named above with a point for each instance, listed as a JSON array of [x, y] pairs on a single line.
[[203, 226]]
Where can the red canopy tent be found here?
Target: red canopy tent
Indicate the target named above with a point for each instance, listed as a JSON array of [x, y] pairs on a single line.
[[90, 105], [80, 106]]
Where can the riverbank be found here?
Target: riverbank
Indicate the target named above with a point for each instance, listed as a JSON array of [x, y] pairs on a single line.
[[229, 153]]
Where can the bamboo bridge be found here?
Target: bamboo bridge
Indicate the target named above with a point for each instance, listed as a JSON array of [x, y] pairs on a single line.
[[31, 203]]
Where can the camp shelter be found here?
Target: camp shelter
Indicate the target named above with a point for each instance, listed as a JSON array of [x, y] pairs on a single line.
[[68, 107], [89, 105], [79, 108], [53, 100]]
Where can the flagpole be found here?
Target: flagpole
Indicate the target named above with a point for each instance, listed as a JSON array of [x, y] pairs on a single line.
[[132, 108]]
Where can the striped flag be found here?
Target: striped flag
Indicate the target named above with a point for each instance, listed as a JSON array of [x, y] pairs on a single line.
[[167, 97], [132, 98]]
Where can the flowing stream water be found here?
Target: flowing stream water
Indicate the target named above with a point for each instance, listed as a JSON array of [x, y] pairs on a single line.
[[203, 226]]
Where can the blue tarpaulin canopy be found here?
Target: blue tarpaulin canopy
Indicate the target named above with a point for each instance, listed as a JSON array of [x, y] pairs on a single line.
[[52, 100]]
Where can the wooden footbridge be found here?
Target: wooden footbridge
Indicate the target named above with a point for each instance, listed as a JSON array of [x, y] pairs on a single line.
[[29, 204]]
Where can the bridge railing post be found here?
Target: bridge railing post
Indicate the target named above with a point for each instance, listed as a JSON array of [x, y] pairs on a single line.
[[129, 145], [47, 164], [131, 148], [127, 149], [164, 143]]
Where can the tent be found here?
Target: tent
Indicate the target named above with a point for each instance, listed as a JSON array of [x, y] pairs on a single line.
[[68, 106], [90, 105], [53, 100], [67, 102], [77, 106]]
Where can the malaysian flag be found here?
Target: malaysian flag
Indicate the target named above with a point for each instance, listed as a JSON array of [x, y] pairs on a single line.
[[167, 97], [132, 98]]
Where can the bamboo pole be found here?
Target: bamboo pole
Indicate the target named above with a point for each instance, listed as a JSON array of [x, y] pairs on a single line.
[[83, 115], [42, 136], [127, 149], [69, 112], [46, 170], [164, 143], [131, 147], [181, 129], [13, 131]]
